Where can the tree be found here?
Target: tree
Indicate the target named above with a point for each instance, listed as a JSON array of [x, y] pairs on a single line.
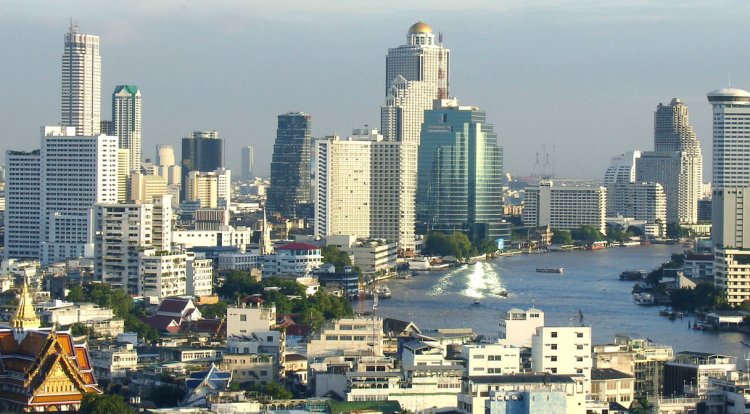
[[588, 234], [635, 231], [104, 404], [437, 243], [332, 255], [461, 245], [615, 233], [275, 390], [166, 395], [76, 294], [562, 237], [215, 310], [79, 329]]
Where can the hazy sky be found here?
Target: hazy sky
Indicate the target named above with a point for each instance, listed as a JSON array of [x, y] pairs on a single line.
[[583, 76]]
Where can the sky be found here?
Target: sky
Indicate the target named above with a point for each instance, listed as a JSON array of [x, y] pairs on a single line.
[[577, 79]]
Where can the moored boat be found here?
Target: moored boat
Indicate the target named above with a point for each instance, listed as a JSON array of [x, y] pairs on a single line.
[[549, 269]]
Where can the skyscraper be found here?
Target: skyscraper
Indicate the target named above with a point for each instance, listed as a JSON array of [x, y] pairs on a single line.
[[81, 83], [248, 160], [731, 192], [459, 172], [201, 151], [126, 119], [420, 59], [23, 194], [673, 132], [290, 166]]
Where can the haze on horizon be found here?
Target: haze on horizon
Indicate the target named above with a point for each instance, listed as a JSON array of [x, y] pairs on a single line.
[[581, 76]]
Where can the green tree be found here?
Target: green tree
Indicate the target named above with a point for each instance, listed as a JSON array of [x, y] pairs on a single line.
[[332, 255], [79, 329], [76, 294], [166, 396], [635, 231], [215, 310], [587, 234], [437, 243], [616, 233], [461, 245], [104, 404], [562, 237], [275, 390]]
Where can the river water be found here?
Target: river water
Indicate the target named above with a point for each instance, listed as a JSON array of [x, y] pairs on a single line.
[[590, 284]]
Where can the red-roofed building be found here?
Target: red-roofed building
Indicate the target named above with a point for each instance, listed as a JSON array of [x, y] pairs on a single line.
[[292, 260], [172, 313]]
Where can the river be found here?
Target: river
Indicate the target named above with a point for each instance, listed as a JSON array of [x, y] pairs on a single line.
[[589, 283]]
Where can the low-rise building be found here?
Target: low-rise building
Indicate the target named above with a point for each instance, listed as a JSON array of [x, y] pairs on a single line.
[[251, 369], [239, 261], [689, 372], [352, 336], [612, 386], [114, 362], [370, 255], [562, 350], [491, 359], [293, 259], [476, 392], [518, 326]]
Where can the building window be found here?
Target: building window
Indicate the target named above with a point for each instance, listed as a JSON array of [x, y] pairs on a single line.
[[553, 334]]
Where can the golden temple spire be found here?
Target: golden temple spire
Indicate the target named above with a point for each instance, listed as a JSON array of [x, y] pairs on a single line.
[[25, 316]]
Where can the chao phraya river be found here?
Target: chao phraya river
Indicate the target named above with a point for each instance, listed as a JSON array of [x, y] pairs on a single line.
[[589, 283]]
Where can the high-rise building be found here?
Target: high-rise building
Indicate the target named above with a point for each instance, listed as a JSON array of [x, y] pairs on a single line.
[[622, 168], [731, 189], [201, 151], [640, 201], [290, 192], [126, 119], [460, 169], [76, 172], [81, 83], [23, 194], [673, 132], [343, 186], [123, 174], [248, 162], [565, 207], [663, 167], [162, 273], [213, 189], [165, 155], [422, 58]]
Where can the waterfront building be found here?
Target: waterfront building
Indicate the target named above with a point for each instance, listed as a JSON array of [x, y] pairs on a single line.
[[290, 192], [293, 259], [731, 188], [563, 350], [565, 207], [663, 167], [459, 173], [23, 198], [519, 326], [370, 255], [162, 273], [126, 119], [542, 393], [248, 162], [212, 188], [43, 369], [81, 83], [639, 201]]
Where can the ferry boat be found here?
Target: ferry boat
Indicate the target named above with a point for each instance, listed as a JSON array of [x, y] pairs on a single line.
[[549, 269], [644, 299]]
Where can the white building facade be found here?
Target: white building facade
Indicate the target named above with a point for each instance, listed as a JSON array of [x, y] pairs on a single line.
[[81, 83], [565, 207], [126, 119]]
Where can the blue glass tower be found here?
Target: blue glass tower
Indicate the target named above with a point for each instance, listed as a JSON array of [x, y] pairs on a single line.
[[459, 173]]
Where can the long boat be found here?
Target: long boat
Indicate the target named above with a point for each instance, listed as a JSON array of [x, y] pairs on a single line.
[[549, 269]]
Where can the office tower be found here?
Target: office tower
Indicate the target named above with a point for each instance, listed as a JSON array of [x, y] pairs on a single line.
[[343, 185], [201, 151], [248, 161], [290, 192], [23, 198], [673, 132], [81, 83], [126, 119], [213, 189], [665, 168], [731, 191], [459, 169], [76, 173], [165, 155], [144, 187], [565, 207]]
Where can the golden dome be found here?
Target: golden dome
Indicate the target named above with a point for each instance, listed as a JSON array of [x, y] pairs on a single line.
[[420, 27]]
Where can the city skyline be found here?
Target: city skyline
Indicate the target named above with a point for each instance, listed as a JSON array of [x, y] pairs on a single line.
[[582, 70]]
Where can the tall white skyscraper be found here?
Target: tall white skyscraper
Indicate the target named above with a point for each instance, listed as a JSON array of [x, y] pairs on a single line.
[[126, 119], [248, 161], [731, 192], [416, 75], [22, 200], [81, 83]]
